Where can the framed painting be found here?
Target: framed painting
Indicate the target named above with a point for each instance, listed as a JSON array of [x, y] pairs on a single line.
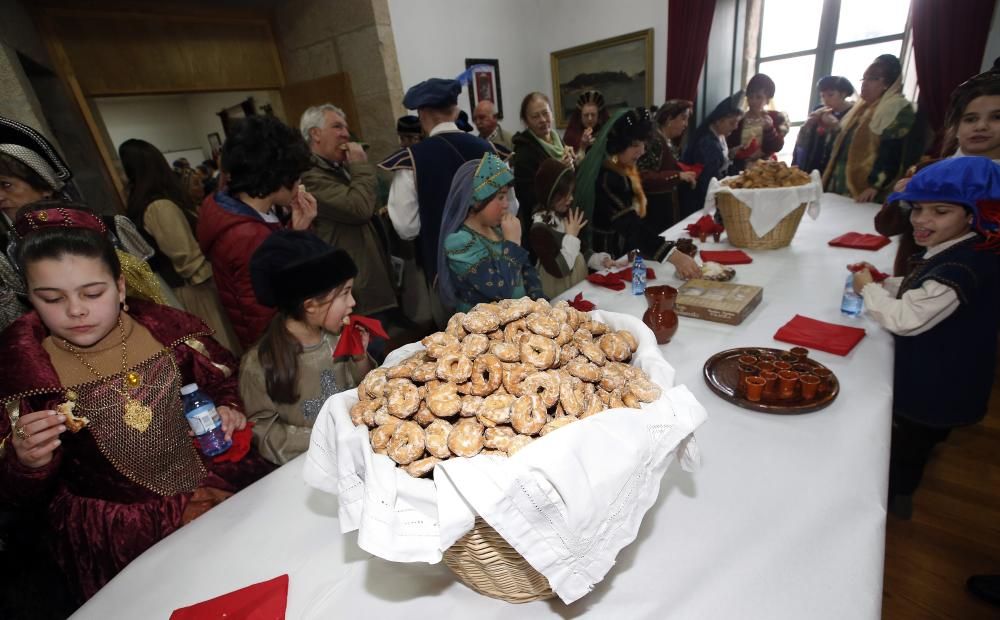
[[215, 144], [484, 82], [620, 67]]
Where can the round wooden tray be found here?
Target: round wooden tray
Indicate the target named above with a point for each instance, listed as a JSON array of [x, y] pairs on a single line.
[[722, 375]]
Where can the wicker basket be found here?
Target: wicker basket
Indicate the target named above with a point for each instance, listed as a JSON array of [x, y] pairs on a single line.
[[489, 565], [736, 218]]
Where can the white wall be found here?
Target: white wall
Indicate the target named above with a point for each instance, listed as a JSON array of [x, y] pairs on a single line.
[[434, 37]]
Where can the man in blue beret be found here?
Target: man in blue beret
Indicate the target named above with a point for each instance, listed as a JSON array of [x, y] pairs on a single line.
[[416, 201]]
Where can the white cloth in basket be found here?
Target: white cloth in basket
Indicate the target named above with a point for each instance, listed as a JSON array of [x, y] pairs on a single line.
[[568, 502], [770, 205]]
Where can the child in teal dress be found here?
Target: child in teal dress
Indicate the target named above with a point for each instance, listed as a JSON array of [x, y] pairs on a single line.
[[483, 260]]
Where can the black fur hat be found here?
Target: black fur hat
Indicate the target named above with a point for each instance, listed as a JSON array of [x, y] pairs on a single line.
[[291, 266], [633, 126]]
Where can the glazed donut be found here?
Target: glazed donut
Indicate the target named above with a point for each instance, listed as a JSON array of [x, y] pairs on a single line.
[[573, 318], [580, 368], [615, 347], [612, 378], [512, 331], [480, 322], [403, 370], [644, 389], [380, 435], [565, 334], [605, 396], [513, 375], [424, 372], [488, 308], [474, 345], [404, 399], [495, 410], [436, 438], [471, 405], [466, 438], [423, 416], [498, 438], [363, 412], [487, 373], [542, 324], [421, 468], [382, 416], [373, 385], [616, 400], [595, 327], [541, 305], [593, 405], [543, 383], [630, 399], [444, 400], [581, 335], [539, 351], [517, 443], [626, 335], [528, 415], [632, 372], [407, 443], [572, 396], [592, 352], [439, 343], [567, 352], [556, 424], [454, 328], [495, 336], [518, 309], [454, 367], [506, 351]]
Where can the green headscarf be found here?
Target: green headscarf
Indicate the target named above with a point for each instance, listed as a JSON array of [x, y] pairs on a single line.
[[586, 176]]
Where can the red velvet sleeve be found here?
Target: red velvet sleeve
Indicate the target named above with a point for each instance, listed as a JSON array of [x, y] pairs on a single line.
[[774, 140], [19, 484]]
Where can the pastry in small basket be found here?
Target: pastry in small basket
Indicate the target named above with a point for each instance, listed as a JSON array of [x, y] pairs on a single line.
[[717, 272], [769, 174]]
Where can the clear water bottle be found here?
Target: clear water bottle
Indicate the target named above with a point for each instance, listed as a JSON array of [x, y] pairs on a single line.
[[638, 275], [852, 304], [204, 420]]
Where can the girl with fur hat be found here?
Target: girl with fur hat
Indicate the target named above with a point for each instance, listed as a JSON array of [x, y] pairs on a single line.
[[610, 192], [288, 375], [483, 259], [943, 313], [761, 132], [563, 253], [94, 426]]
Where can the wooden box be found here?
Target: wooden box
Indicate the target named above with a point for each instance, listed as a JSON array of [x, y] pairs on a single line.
[[721, 302]]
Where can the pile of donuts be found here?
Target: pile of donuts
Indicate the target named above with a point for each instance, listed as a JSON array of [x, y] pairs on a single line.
[[498, 377], [769, 174]]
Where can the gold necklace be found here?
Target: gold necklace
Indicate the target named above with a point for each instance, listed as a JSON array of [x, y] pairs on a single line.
[[137, 415]]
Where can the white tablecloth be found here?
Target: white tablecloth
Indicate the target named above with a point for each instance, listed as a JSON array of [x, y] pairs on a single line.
[[786, 518]]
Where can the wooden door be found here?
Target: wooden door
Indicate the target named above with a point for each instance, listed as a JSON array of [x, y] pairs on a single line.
[[335, 89]]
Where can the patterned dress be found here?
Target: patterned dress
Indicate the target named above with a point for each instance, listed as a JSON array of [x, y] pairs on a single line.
[[485, 270]]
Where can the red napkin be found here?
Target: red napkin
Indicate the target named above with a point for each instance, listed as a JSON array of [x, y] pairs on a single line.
[[813, 334], [860, 241], [350, 338], [616, 279], [748, 151], [626, 274], [266, 600], [240, 447], [582, 304], [877, 275], [726, 257], [695, 168]]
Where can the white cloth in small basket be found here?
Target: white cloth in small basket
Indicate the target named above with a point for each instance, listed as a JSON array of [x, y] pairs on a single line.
[[770, 205]]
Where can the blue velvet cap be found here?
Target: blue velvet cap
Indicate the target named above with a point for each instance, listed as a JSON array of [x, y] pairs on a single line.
[[957, 180], [433, 93]]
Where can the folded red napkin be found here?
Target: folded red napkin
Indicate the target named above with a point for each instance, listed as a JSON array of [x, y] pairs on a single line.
[[266, 600], [695, 168], [582, 304], [860, 241], [813, 334], [626, 274], [877, 275], [705, 226], [616, 279], [726, 257], [350, 338], [240, 447]]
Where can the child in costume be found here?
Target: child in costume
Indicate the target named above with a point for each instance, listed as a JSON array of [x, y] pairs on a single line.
[[943, 313], [563, 254], [483, 259], [289, 374], [94, 426]]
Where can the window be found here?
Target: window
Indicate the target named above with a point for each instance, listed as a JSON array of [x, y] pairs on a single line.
[[801, 41]]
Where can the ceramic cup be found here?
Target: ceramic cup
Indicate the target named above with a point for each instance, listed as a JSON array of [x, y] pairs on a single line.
[[825, 380], [749, 360], [803, 353], [809, 385], [779, 366], [755, 387], [787, 382], [771, 384], [745, 371]]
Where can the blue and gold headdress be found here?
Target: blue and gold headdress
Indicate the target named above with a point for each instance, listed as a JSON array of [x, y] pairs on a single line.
[[490, 176]]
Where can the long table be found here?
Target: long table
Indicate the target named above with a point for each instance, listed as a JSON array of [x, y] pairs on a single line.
[[785, 519]]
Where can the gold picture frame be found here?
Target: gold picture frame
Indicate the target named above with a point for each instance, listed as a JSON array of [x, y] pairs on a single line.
[[620, 67]]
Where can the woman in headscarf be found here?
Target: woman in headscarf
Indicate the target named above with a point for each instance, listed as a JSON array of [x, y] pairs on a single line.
[[585, 121], [163, 211], [538, 142], [610, 193], [867, 156], [761, 132], [812, 148], [708, 147], [662, 177], [483, 260]]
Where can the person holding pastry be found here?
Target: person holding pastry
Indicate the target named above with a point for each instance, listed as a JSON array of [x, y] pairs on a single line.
[[94, 426]]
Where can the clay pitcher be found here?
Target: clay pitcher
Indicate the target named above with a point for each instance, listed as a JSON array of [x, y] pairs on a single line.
[[660, 317]]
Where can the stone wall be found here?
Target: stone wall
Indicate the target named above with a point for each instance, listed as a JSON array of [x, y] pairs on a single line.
[[320, 37]]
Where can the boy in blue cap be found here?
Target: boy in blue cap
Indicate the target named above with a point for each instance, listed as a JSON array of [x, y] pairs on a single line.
[[943, 313]]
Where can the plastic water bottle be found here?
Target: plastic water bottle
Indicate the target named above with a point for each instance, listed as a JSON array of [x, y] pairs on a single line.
[[204, 420], [638, 275], [852, 304]]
